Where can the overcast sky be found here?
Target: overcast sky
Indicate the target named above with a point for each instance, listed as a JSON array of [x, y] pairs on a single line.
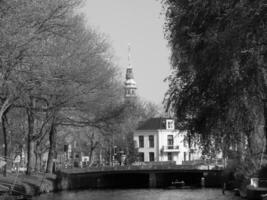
[[139, 23]]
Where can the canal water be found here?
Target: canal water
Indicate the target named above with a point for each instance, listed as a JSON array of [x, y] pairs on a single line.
[[140, 194]]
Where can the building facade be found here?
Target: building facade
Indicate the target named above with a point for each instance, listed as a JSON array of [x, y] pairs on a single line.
[[157, 140]]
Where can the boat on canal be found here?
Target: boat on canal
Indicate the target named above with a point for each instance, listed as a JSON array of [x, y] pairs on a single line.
[[176, 184]]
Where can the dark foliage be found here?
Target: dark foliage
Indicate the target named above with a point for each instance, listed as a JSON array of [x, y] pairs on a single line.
[[219, 70]]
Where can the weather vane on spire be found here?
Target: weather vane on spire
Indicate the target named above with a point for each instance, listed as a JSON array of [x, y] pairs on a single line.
[[129, 54]]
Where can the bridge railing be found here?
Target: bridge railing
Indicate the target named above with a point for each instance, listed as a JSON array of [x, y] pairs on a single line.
[[128, 168]]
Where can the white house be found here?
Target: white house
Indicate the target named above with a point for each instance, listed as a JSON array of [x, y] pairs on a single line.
[[158, 140]]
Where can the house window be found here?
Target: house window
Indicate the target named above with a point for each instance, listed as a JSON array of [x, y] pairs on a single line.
[[141, 157], [141, 141], [151, 156], [151, 141], [184, 156], [170, 141], [170, 124], [169, 156], [65, 148]]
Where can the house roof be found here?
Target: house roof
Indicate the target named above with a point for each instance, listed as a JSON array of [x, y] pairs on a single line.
[[153, 124]]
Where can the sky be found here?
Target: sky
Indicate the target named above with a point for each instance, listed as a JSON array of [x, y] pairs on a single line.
[[140, 24]]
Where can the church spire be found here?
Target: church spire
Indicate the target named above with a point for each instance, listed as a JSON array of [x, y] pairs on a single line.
[[129, 56], [130, 84]]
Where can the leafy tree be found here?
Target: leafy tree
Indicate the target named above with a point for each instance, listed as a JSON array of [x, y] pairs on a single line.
[[27, 28], [52, 67], [218, 79], [82, 80]]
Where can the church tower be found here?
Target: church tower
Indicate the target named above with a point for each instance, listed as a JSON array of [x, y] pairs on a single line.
[[129, 84]]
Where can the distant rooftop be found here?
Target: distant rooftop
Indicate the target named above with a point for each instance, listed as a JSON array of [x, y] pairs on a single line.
[[153, 124]]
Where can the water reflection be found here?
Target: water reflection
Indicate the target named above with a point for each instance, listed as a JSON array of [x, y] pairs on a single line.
[[141, 194]]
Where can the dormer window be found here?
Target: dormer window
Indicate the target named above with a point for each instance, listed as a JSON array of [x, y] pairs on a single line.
[[169, 124]]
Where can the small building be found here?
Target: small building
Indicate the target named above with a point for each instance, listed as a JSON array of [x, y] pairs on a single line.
[[158, 140]]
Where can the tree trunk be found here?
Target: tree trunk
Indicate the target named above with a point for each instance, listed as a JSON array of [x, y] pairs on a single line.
[[5, 107], [41, 163], [265, 122], [52, 147], [30, 144], [90, 157], [37, 158], [3, 123]]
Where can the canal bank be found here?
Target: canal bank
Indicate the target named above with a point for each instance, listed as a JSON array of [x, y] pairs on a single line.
[[29, 185]]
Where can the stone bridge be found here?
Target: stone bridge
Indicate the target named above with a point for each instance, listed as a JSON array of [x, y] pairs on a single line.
[[135, 177]]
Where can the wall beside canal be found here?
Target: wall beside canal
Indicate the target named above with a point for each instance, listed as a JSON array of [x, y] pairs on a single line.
[[67, 180]]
